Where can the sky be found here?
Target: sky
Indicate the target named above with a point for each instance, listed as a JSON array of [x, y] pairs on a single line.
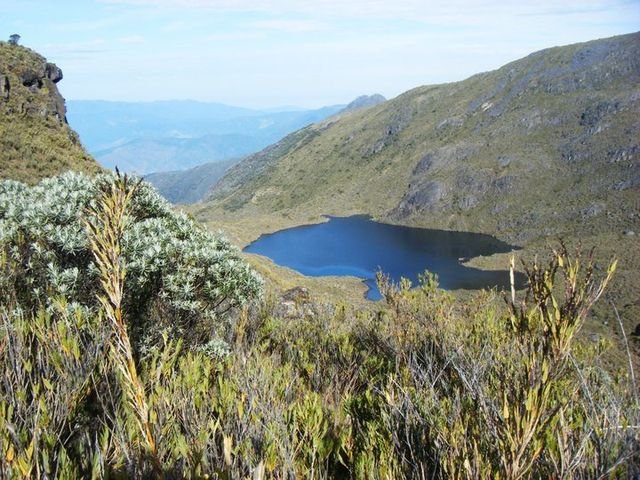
[[306, 53]]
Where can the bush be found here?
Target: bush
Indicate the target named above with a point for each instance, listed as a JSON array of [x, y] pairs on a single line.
[[180, 278], [419, 386]]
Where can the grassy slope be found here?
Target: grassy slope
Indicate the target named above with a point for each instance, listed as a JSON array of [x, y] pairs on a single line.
[[546, 146], [35, 140], [188, 186]]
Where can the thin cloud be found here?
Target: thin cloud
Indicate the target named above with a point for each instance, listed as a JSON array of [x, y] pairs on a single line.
[[239, 36], [90, 46], [287, 51], [288, 26], [132, 40], [400, 9], [175, 26]]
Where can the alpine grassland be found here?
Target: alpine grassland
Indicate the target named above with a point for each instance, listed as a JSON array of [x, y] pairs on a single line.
[[134, 344]]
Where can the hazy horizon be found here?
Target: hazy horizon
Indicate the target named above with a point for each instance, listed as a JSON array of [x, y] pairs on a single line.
[[248, 54]]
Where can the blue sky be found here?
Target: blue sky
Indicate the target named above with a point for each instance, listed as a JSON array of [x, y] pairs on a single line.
[[261, 53]]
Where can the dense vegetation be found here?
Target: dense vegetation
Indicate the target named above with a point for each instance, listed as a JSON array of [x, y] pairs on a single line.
[[421, 386]]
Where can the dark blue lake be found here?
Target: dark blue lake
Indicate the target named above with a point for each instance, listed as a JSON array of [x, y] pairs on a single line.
[[360, 247]]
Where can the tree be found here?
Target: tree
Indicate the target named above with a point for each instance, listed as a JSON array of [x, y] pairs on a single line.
[[14, 39]]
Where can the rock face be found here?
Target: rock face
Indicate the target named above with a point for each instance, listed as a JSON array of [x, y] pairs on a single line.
[[295, 303], [52, 72], [5, 87], [35, 139], [39, 78]]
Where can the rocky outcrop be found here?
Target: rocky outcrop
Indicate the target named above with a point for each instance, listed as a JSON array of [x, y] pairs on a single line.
[[296, 303], [422, 196], [29, 88], [5, 87], [53, 72], [36, 77], [35, 139], [400, 119]]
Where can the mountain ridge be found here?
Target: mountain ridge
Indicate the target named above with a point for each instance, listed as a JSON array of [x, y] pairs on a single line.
[[192, 185], [453, 156]]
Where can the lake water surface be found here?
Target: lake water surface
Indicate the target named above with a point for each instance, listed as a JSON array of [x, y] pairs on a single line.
[[360, 247]]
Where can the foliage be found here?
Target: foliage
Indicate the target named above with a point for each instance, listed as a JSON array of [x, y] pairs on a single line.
[[180, 278], [422, 386]]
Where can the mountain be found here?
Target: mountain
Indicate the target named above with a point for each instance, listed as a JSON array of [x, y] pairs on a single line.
[[189, 186], [159, 154], [35, 139], [104, 124], [193, 185], [542, 146], [365, 101], [176, 135]]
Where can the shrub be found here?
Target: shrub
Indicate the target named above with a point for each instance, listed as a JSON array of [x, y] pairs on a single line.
[[180, 278], [419, 386]]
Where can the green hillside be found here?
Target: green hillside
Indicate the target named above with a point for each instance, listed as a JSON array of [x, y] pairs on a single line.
[[35, 139], [547, 146], [546, 141], [194, 184]]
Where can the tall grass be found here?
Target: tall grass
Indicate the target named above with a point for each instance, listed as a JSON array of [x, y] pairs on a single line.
[[421, 386], [106, 226]]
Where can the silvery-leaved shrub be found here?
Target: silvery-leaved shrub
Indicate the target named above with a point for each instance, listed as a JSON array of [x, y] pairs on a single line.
[[180, 278]]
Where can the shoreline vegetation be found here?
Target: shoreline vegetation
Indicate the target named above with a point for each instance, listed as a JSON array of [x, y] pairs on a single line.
[[423, 385]]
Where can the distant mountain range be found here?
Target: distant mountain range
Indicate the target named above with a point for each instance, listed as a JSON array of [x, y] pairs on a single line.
[[176, 135], [193, 185]]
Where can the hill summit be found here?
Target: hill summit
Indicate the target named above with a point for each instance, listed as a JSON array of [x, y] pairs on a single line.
[[35, 139], [365, 101]]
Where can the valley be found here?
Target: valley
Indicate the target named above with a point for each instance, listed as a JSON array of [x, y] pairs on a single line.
[[152, 137], [159, 327], [546, 147]]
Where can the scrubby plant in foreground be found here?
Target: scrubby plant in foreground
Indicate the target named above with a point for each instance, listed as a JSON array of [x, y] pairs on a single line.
[[421, 386], [180, 278]]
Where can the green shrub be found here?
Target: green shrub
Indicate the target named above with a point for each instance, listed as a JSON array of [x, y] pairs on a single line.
[[419, 386], [180, 277]]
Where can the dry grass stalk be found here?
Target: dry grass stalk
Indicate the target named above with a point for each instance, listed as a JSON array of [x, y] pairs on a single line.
[[105, 226]]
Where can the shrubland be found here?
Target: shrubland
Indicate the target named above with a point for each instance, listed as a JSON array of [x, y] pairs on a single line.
[[135, 344]]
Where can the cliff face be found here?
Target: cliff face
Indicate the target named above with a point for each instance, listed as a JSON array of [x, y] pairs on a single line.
[[35, 139]]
